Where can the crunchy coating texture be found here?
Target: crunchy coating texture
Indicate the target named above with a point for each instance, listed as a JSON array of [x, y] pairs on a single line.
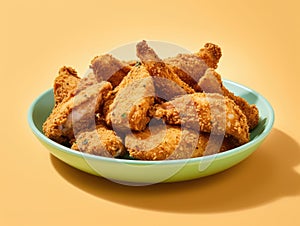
[[101, 141], [212, 112], [108, 68], [211, 82], [191, 67], [167, 83], [75, 114], [188, 67], [171, 142], [129, 102], [211, 54], [88, 80], [65, 84]]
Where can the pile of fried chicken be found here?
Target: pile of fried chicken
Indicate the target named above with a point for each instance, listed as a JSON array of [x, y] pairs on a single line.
[[151, 108]]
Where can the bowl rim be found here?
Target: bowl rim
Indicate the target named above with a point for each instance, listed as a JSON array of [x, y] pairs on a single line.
[[258, 139]]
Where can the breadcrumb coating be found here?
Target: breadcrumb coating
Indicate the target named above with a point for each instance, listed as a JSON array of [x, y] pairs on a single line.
[[171, 142], [101, 141], [211, 54], [189, 68], [130, 101], [211, 82], [65, 84], [79, 109], [108, 68], [212, 112], [176, 108], [169, 85]]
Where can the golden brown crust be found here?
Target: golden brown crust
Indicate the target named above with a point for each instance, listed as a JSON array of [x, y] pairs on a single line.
[[80, 109], [171, 142], [211, 54], [212, 112], [101, 141], [129, 102], [189, 67], [108, 68], [211, 83], [167, 84], [65, 84]]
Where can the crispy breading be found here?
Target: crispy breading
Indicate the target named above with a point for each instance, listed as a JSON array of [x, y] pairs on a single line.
[[108, 68], [212, 112], [188, 67], [171, 142], [75, 114], [88, 80], [167, 83], [211, 54], [65, 84], [211, 82], [101, 141], [129, 102]]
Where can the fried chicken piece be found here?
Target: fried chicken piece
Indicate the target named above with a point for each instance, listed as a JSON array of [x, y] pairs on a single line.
[[212, 112], [75, 114], [65, 84], [108, 68], [129, 102], [167, 83], [171, 142], [191, 67], [211, 82], [211, 54], [188, 67], [101, 141], [87, 81]]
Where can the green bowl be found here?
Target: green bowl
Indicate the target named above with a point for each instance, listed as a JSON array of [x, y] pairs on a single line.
[[137, 172]]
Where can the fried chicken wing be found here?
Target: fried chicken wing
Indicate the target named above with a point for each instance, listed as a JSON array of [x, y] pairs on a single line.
[[212, 112], [65, 84], [108, 68], [101, 141], [171, 142], [211, 54], [191, 67], [129, 102], [75, 114], [167, 83], [211, 82], [188, 67]]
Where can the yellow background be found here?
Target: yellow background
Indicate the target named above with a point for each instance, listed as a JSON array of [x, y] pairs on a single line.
[[260, 43]]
